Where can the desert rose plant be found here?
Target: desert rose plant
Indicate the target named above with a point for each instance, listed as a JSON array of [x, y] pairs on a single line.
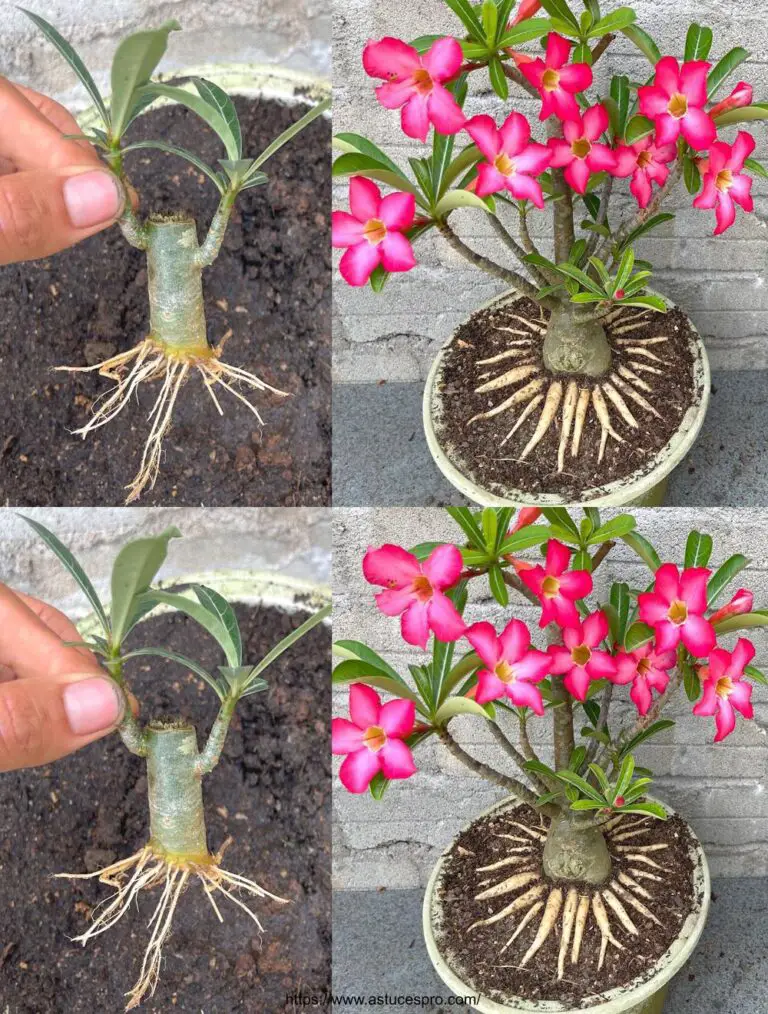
[[177, 346], [177, 852], [647, 645], [575, 367]]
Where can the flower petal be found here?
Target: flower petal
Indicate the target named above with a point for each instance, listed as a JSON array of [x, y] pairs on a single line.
[[725, 719], [443, 59], [364, 705], [576, 77], [626, 161], [533, 666], [524, 188], [595, 122], [525, 695], [626, 669], [358, 769], [740, 191], [397, 252], [653, 101], [693, 588], [668, 75], [394, 94], [561, 152], [601, 665], [698, 128], [562, 104], [577, 682], [489, 180], [564, 612], [390, 56], [414, 118], [397, 210], [708, 702], [390, 566], [743, 653], [484, 133], [364, 198], [667, 585], [346, 737], [533, 159], [514, 134], [396, 717], [725, 213], [742, 148], [740, 698], [641, 695], [640, 187], [514, 640], [698, 636], [489, 687], [667, 128], [394, 601], [443, 566], [653, 608], [444, 618], [667, 635], [558, 50], [709, 196], [595, 628], [561, 659], [396, 759], [346, 230], [358, 263], [414, 624], [483, 639], [601, 159], [576, 584], [558, 557], [577, 175], [693, 81], [444, 111]]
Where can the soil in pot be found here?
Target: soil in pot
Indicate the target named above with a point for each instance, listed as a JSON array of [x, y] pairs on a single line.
[[490, 956], [270, 285], [485, 428], [271, 792]]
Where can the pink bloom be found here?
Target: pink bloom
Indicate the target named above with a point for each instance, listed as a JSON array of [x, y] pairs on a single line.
[[373, 233], [416, 83], [725, 687], [557, 82], [513, 666], [741, 602], [580, 152], [526, 10], [675, 609], [740, 96], [373, 740], [645, 162], [525, 516], [556, 589], [724, 182], [676, 100], [646, 669], [513, 160], [579, 658], [415, 590]]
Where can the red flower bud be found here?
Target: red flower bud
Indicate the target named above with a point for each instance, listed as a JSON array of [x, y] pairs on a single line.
[[619, 294], [740, 603], [526, 10], [525, 516], [740, 96], [619, 801]]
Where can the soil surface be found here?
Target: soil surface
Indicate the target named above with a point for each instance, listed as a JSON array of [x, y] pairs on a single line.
[[270, 285], [271, 792], [474, 445], [479, 954]]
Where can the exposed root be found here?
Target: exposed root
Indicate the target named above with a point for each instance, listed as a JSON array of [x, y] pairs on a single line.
[[145, 363], [141, 872]]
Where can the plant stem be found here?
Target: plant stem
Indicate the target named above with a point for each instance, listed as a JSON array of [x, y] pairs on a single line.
[[511, 751], [209, 248], [511, 244], [175, 284], [133, 229], [602, 722], [133, 736], [177, 820], [562, 713], [563, 208], [642, 216], [602, 215], [601, 554], [514, 75], [601, 47], [653, 714], [210, 756], [514, 582], [521, 284]]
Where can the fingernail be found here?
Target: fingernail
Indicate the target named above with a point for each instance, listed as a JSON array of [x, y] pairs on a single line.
[[92, 198], [92, 705]]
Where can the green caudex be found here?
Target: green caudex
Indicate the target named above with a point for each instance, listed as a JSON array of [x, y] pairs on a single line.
[[176, 853], [177, 345]]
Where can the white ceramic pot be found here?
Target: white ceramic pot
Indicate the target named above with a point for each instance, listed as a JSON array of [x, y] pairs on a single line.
[[639, 489], [645, 996]]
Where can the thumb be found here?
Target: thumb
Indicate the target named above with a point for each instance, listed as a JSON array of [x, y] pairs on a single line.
[[46, 210], [46, 718]]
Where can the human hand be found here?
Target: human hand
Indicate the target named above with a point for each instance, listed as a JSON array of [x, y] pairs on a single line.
[[53, 193], [53, 699]]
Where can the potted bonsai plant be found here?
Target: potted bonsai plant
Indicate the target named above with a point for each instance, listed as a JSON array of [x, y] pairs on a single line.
[[579, 890], [581, 384], [177, 853], [177, 346]]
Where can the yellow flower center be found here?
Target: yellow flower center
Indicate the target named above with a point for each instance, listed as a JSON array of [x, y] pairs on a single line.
[[422, 81], [550, 586], [724, 686], [550, 80], [504, 671], [374, 231], [678, 612], [581, 148], [581, 654], [724, 180], [422, 588], [374, 738], [643, 667], [504, 164], [678, 106], [644, 159]]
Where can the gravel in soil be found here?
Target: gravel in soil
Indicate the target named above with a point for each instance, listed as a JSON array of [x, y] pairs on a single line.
[[476, 449], [270, 285], [271, 792], [476, 955]]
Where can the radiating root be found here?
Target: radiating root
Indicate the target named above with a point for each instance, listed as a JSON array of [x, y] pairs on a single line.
[[644, 875], [606, 430], [539, 325], [532, 831], [606, 937], [657, 340], [507, 886], [621, 912], [637, 858], [551, 405], [547, 924], [529, 915], [582, 914], [569, 916], [508, 861], [625, 372], [150, 361], [530, 407], [569, 408], [621, 405], [519, 397], [634, 396], [509, 354], [519, 903], [512, 376], [642, 848], [582, 408], [147, 869], [634, 323], [634, 903], [638, 350]]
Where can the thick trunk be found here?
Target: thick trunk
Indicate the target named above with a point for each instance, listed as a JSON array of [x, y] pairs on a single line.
[[177, 820], [175, 282], [572, 346], [573, 852]]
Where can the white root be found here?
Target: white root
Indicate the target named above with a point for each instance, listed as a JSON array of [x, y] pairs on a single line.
[[529, 915], [638, 350], [533, 325], [643, 821], [606, 430], [645, 875], [582, 408], [513, 376], [548, 920], [508, 354], [532, 831], [606, 937], [638, 858], [516, 906], [630, 834], [644, 368], [516, 837], [642, 848], [634, 396], [643, 341], [634, 903], [609, 825], [621, 406], [582, 915], [634, 325], [514, 330], [529, 408], [569, 915], [625, 372], [637, 888], [551, 404], [513, 883], [509, 861], [569, 408], [517, 398], [621, 912]]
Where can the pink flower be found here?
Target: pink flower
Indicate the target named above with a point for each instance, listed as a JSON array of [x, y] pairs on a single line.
[[513, 666], [644, 161], [415, 590], [557, 82], [676, 100], [526, 10], [556, 589], [416, 83], [741, 602], [525, 516], [646, 669], [513, 160], [740, 96], [579, 658], [724, 182], [580, 152], [675, 610], [373, 740], [373, 233], [725, 687]]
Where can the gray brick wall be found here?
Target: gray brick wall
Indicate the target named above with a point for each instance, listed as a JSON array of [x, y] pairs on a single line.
[[720, 788], [719, 281]]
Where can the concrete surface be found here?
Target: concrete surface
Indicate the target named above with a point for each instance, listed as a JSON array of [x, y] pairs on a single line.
[[294, 33], [380, 455], [294, 541], [719, 281], [378, 949], [719, 788]]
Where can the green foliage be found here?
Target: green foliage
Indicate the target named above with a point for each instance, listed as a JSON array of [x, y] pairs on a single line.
[[625, 288], [133, 64], [133, 571]]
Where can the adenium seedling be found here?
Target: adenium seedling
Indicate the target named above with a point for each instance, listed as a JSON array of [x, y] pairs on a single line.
[[177, 851], [593, 795], [177, 345]]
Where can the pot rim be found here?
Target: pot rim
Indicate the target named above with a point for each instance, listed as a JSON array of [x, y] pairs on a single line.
[[615, 1001], [620, 492]]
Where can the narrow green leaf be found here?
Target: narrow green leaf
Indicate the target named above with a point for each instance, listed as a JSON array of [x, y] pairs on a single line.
[[524, 538], [132, 66], [757, 618], [218, 99], [644, 43], [498, 588], [652, 809], [637, 635], [200, 614], [756, 675], [290, 639], [698, 43], [616, 21], [525, 31], [358, 650], [698, 549], [291, 132], [498, 78], [626, 771], [620, 600], [724, 68], [355, 671], [723, 576], [459, 199], [209, 114], [626, 264], [581, 784], [173, 656], [756, 167], [465, 12], [560, 9], [640, 545], [652, 730], [637, 127], [218, 606], [465, 519], [490, 528], [182, 153], [458, 706], [757, 111], [133, 571]]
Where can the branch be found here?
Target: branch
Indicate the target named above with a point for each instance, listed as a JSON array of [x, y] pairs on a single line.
[[511, 751], [563, 207], [209, 248], [131, 733], [209, 756], [602, 215], [642, 216], [514, 75], [601, 554], [523, 286], [514, 582], [602, 722], [511, 244], [601, 47], [132, 228]]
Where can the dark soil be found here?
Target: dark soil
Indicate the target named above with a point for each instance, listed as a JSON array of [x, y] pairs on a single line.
[[271, 792], [477, 955], [271, 285], [476, 449]]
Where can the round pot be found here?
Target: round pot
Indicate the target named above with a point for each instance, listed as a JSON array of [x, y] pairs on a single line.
[[643, 996], [641, 489]]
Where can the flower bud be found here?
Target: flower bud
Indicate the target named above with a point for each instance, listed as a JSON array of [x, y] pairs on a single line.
[[740, 603], [740, 96]]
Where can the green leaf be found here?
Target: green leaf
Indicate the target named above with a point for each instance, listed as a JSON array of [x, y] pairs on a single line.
[[588, 804], [581, 784], [355, 671], [754, 674], [132, 66], [652, 302], [698, 549], [358, 145], [285, 644], [644, 43], [626, 264], [464, 517], [291, 132], [637, 127], [582, 561], [640, 545], [530, 28], [499, 589], [559, 516], [423, 43], [465, 12], [652, 730], [651, 223], [616, 21], [490, 528], [691, 175], [458, 706], [69, 561], [581, 277], [691, 681], [498, 79], [560, 9], [464, 667], [356, 650], [757, 111], [637, 635], [425, 549], [188, 663], [620, 95], [538, 767], [757, 618], [132, 573], [524, 538], [698, 43], [626, 771], [756, 167], [459, 199], [210, 114], [490, 15], [218, 99], [613, 529], [652, 809], [577, 758], [723, 576], [218, 606], [620, 600], [182, 153], [200, 614], [724, 68], [601, 778]]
